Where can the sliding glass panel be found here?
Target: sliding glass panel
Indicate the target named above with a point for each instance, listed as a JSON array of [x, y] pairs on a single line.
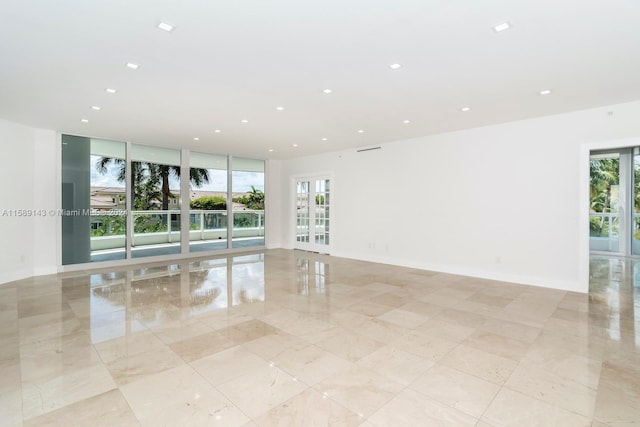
[[248, 202], [108, 200], [208, 202], [93, 200], [76, 200], [156, 201], [604, 196]]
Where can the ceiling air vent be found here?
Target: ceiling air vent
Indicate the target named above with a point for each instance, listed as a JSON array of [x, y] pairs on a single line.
[[368, 149]]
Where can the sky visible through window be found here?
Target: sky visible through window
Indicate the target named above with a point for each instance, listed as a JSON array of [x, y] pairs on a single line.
[[242, 181]]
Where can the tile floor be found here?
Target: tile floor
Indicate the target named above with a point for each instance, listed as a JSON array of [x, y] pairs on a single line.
[[289, 338]]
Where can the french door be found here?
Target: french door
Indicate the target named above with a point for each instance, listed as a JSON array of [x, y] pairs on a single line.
[[313, 214]]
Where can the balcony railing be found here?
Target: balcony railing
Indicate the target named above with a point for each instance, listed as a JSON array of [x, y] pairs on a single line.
[[604, 224], [163, 226]]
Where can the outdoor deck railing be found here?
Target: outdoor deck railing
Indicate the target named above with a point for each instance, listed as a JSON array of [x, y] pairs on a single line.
[[163, 226], [604, 232], [605, 225]]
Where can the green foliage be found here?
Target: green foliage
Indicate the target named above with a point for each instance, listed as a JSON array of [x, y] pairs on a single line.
[[603, 174], [256, 199], [601, 227], [147, 195], [213, 203], [253, 200], [149, 224], [109, 226], [243, 220], [242, 199]]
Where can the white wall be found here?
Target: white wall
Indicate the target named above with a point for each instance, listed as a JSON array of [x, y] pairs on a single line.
[[500, 202], [46, 196], [274, 199], [28, 182]]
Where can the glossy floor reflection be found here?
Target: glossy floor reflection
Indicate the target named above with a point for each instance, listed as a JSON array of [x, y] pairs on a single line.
[[289, 338]]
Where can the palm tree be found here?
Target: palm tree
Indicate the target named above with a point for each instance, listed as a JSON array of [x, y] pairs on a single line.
[[256, 198], [603, 173], [152, 172], [197, 177], [137, 172], [146, 190]]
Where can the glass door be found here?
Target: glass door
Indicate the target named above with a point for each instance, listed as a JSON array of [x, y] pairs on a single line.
[[313, 214], [613, 206], [603, 205]]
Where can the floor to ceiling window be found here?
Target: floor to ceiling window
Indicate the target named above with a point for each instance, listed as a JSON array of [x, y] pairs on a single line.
[[108, 199], [248, 202], [208, 202], [156, 201], [120, 198]]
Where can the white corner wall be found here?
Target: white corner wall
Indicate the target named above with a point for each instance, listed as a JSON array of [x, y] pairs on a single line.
[[29, 181], [500, 202]]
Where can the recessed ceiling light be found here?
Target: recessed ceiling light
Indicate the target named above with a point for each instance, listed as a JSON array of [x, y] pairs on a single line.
[[109, 90], [166, 27], [295, 145], [395, 66], [244, 121], [501, 27], [84, 121], [217, 131], [465, 109], [324, 139], [279, 108], [360, 131], [196, 139], [545, 92], [270, 149], [406, 121], [95, 107], [327, 91], [132, 65]]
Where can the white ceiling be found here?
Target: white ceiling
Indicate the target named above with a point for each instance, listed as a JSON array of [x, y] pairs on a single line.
[[240, 59]]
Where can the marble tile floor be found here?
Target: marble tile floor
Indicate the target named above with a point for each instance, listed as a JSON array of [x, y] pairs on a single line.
[[288, 338]]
